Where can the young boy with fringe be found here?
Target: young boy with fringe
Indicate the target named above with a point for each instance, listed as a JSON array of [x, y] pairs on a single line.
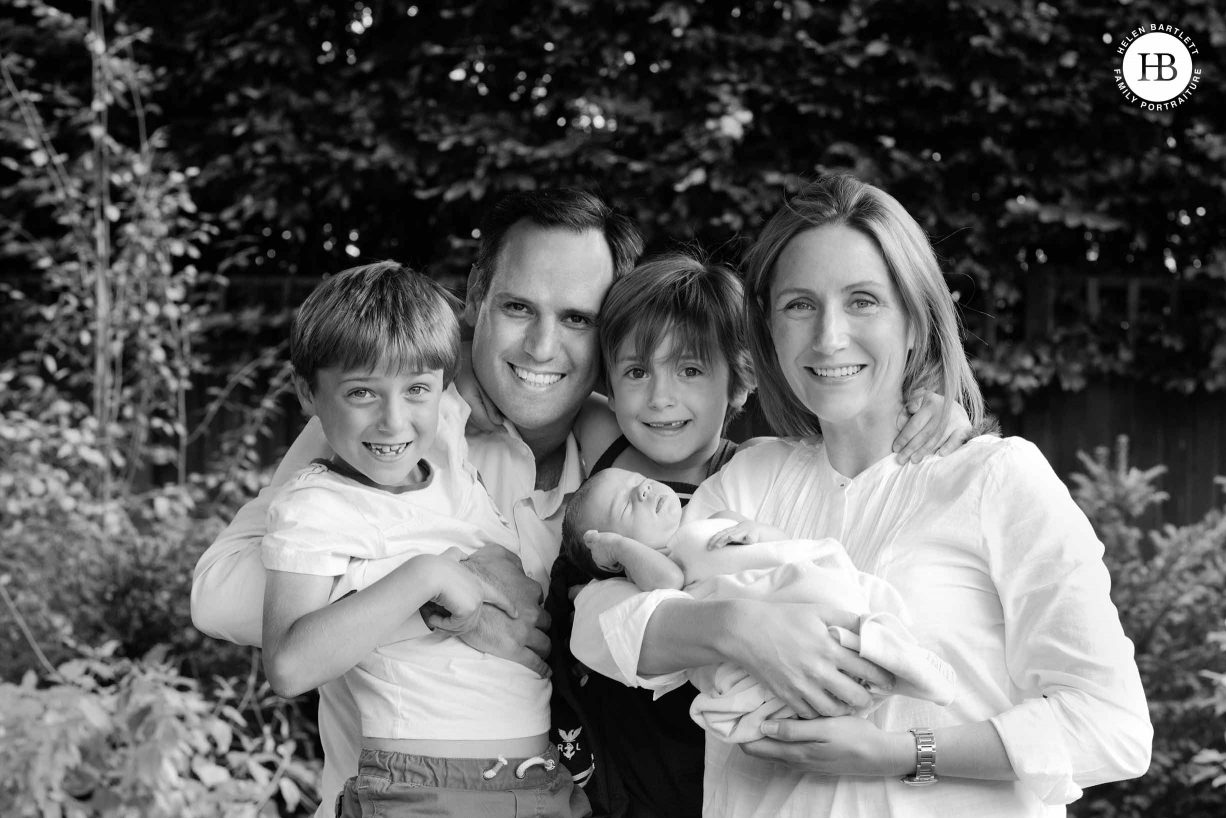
[[677, 369], [358, 543]]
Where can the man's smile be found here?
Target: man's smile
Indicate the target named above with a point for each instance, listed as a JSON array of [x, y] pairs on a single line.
[[528, 376]]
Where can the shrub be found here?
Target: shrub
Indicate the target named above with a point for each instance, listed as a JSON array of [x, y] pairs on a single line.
[[117, 737], [1170, 588]]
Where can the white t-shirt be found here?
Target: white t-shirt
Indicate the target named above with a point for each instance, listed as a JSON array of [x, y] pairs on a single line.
[[1004, 579], [424, 686]]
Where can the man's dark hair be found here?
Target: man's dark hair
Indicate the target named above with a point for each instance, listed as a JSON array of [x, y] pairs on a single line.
[[563, 208]]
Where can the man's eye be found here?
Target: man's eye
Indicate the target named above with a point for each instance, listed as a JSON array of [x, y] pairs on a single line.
[[580, 321], [360, 394], [515, 306], [692, 372]]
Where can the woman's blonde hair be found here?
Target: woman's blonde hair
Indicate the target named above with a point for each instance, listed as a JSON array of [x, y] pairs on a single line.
[[937, 363]]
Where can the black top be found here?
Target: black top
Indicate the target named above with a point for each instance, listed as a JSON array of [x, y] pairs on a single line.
[[647, 755]]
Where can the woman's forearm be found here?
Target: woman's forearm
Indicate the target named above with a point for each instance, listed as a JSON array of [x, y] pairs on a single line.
[[686, 633], [972, 751]]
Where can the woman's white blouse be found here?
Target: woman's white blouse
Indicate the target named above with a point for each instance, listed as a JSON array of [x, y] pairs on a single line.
[[1004, 579]]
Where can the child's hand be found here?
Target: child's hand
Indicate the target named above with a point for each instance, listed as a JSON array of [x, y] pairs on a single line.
[[483, 414], [606, 549], [743, 533], [462, 594], [919, 435]]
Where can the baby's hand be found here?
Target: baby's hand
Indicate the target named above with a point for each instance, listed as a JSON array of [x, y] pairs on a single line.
[[743, 533], [606, 549], [462, 594]]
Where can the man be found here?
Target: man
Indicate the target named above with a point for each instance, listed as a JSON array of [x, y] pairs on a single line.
[[546, 260]]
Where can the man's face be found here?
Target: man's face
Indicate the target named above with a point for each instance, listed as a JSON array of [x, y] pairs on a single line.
[[535, 350]]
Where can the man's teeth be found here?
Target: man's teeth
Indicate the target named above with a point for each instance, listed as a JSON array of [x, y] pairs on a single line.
[[387, 450], [536, 378], [837, 371]]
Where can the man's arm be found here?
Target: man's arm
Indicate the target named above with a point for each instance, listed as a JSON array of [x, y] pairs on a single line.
[[228, 586]]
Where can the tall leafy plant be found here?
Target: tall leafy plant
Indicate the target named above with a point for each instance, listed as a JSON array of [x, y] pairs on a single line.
[[113, 319]]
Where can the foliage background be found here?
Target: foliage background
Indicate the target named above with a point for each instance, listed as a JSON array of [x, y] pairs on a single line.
[[175, 177]]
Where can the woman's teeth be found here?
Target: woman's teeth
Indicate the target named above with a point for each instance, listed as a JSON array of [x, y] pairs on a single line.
[[837, 371], [536, 378], [386, 451]]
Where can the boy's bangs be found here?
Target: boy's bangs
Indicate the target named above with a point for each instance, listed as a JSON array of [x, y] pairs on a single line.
[[691, 339], [391, 345]]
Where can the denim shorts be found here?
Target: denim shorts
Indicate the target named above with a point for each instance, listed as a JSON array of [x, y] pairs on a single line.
[[399, 785]]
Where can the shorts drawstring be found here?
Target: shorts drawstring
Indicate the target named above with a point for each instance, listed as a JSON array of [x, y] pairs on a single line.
[[493, 771], [535, 761]]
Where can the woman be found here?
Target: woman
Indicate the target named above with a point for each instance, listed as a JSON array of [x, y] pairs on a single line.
[[1001, 571]]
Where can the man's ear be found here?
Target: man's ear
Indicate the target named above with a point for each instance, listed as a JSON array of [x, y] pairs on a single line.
[[472, 307], [305, 398]]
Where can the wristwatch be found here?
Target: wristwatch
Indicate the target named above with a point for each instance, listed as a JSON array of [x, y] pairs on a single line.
[[925, 758]]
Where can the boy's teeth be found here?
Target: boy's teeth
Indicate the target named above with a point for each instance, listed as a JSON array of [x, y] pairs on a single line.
[[672, 424], [838, 371], [378, 449], [536, 378]]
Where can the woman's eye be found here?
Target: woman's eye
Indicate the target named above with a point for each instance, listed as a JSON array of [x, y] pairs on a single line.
[[863, 303], [417, 390], [635, 373], [798, 305], [692, 372]]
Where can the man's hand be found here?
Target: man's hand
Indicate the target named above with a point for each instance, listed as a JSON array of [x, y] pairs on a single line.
[[521, 639]]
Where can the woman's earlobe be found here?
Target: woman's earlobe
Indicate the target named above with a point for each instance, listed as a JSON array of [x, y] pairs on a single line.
[[737, 401]]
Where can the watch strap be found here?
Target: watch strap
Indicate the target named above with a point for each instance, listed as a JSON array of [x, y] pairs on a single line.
[[925, 758]]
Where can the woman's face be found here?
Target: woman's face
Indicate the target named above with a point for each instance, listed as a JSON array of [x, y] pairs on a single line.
[[840, 331]]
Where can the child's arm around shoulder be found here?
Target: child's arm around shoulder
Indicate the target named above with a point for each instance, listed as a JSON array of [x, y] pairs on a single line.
[[307, 641], [595, 428]]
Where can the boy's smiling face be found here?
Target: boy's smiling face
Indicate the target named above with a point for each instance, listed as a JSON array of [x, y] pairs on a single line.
[[672, 407], [634, 506], [379, 422]]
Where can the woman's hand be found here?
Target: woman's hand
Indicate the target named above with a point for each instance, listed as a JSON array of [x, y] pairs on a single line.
[[483, 414], [790, 650], [919, 435], [847, 745]]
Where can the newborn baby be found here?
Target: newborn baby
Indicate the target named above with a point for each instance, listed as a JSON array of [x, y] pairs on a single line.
[[730, 556]]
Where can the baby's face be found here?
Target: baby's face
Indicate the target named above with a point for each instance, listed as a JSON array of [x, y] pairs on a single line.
[[634, 506]]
